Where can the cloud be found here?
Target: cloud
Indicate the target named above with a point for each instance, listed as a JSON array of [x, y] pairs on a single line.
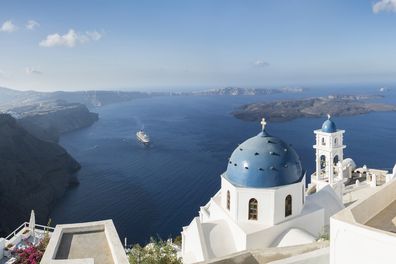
[[32, 24], [260, 64], [30, 71], [94, 35], [384, 6], [70, 39], [8, 26]]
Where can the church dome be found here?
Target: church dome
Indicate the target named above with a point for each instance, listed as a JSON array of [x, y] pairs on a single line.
[[264, 161], [329, 126]]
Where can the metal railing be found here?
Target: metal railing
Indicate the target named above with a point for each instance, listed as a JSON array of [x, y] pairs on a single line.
[[26, 224]]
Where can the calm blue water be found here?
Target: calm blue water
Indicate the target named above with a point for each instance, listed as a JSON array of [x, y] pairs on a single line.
[[156, 190]]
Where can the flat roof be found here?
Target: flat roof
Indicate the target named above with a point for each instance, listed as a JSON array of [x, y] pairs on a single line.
[[81, 245], [386, 219], [85, 243], [376, 211]]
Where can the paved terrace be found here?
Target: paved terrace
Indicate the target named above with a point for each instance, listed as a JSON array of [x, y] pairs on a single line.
[[81, 245], [85, 243]]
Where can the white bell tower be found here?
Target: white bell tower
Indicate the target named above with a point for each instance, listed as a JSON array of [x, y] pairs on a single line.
[[329, 151]]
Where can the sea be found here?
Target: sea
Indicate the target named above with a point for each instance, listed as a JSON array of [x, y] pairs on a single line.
[[155, 190]]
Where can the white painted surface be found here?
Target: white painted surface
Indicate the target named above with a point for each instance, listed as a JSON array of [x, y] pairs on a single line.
[[219, 231], [296, 236], [352, 241], [2, 245]]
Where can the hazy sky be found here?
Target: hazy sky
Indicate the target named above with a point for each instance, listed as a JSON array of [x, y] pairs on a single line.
[[71, 45]]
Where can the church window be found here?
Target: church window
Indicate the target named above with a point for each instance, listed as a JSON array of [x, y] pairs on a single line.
[[335, 160], [322, 161], [253, 209], [335, 141], [323, 142], [288, 205], [228, 200]]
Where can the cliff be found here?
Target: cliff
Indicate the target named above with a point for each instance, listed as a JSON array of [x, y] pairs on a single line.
[[48, 120], [33, 174], [10, 98]]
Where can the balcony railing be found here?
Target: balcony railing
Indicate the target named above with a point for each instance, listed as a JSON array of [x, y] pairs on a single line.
[[26, 224]]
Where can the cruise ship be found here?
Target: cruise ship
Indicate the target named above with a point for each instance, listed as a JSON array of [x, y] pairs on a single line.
[[142, 137]]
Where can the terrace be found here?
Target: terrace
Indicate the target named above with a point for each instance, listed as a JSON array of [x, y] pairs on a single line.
[[21, 238], [88, 243]]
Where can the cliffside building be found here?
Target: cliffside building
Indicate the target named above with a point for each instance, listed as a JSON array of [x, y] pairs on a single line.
[[262, 203]]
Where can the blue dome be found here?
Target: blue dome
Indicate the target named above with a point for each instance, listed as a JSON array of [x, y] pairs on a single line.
[[329, 126], [264, 161]]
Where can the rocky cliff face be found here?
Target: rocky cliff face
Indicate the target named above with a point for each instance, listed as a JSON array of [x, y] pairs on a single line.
[[48, 120], [33, 174]]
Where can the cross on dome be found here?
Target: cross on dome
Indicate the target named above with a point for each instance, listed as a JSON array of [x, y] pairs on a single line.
[[263, 123], [328, 116]]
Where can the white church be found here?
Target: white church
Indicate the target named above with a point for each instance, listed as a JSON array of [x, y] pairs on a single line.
[[263, 201]]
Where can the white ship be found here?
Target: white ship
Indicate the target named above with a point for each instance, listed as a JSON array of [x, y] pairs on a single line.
[[143, 137]]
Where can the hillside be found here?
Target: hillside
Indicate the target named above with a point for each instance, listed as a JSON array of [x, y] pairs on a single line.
[[33, 174]]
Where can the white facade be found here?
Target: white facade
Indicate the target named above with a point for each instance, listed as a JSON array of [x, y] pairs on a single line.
[[364, 232], [219, 231], [271, 202], [329, 151], [261, 204]]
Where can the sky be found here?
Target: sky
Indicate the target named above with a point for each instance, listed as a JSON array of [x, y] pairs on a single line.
[[83, 45]]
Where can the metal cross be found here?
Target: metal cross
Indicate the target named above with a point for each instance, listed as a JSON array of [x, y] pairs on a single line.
[[263, 123]]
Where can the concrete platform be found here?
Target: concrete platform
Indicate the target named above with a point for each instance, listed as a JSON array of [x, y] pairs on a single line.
[[386, 219], [85, 245]]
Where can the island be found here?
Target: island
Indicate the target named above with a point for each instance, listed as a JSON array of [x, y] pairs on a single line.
[[335, 105], [240, 91]]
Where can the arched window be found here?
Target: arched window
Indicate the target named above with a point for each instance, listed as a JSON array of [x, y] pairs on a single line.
[[228, 200], [323, 142], [335, 160], [322, 161], [253, 209], [288, 205], [335, 141]]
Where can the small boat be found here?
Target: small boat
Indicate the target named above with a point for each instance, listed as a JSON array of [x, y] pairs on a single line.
[[142, 137]]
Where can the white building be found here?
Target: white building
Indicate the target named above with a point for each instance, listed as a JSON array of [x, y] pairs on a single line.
[[329, 158], [365, 232], [261, 203]]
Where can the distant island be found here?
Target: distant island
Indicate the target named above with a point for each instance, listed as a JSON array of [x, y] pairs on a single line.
[[238, 91], [335, 105]]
